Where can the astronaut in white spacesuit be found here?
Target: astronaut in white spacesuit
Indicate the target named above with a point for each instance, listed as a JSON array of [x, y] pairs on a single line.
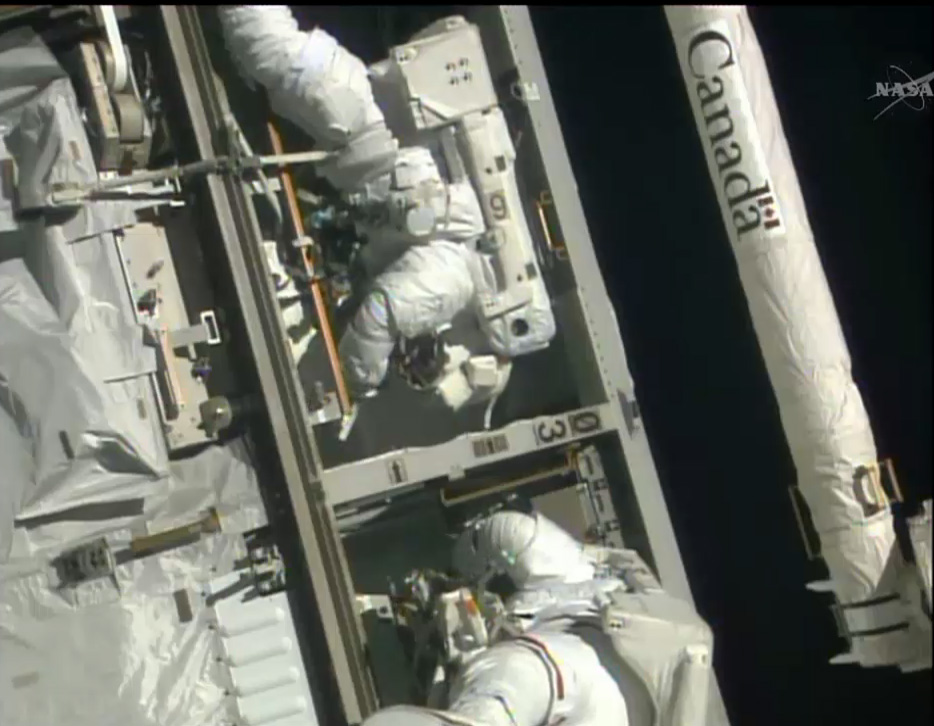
[[434, 248], [592, 639]]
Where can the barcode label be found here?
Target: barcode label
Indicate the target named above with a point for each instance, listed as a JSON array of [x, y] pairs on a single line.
[[490, 446]]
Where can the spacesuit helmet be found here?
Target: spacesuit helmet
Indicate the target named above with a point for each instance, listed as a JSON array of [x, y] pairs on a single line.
[[529, 549]]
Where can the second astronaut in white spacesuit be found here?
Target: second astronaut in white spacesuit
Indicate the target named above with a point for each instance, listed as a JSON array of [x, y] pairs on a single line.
[[593, 640], [547, 673], [423, 228]]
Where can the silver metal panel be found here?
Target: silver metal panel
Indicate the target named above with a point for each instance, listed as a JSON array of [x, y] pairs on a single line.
[[128, 385], [149, 266], [566, 508], [386, 475], [596, 499], [116, 144]]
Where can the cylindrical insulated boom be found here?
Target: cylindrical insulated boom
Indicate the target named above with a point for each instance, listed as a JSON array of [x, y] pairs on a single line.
[[796, 322]]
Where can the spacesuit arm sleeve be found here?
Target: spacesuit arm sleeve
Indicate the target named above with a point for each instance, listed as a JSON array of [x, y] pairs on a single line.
[[508, 685], [423, 289]]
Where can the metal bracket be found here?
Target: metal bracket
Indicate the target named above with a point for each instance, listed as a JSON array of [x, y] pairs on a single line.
[[595, 497], [526, 91], [209, 321], [209, 523], [883, 488], [118, 71], [267, 569], [631, 413], [381, 604], [885, 479], [205, 332], [447, 500], [329, 410], [544, 203], [260, 188], [90, 561]]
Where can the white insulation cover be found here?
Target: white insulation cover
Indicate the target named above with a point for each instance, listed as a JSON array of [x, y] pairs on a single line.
[[120, 656], [82, 456], [73, 367], [119, 651], [792, 310]]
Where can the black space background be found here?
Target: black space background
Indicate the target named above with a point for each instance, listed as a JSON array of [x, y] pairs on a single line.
[[710, 414]]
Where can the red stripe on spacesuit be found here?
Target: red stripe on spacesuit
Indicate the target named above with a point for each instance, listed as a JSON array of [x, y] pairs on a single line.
[[540, 647]]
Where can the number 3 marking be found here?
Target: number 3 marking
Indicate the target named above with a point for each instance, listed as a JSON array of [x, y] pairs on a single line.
[[556, 431]]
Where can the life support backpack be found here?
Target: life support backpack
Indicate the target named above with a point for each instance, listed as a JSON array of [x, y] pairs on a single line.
[[661, 638], [663, 645]]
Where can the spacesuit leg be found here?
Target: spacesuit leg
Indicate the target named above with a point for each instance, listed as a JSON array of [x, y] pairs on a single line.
[[317, 85]]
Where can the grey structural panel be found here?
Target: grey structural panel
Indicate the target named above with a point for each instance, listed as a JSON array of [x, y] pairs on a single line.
[[320, 543], [389, 474], [599, 314]]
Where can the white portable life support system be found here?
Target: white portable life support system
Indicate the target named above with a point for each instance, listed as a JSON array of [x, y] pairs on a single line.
[[664, 648], [660, 640], [668, 647], [437, 90]]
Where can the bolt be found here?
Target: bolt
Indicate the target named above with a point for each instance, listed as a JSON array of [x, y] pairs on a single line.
[[155, 269]]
